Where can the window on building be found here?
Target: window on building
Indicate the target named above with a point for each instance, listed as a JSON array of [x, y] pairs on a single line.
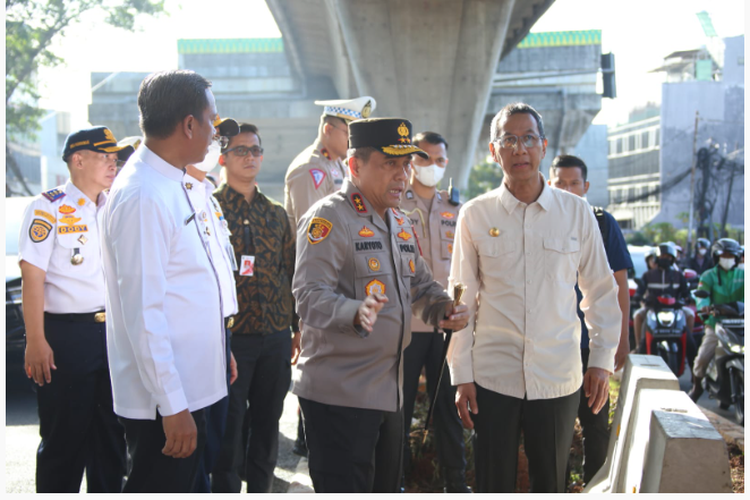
[[631, 142], [619, 145], [656, 138], [644, 140]]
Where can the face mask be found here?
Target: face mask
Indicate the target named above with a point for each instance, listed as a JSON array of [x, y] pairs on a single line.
[[429, 176], [212, 157], [664, 263], [702, 251], [727, 263]]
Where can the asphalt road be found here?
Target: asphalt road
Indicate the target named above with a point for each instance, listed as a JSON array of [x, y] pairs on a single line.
[[22, 436], [22, 433]]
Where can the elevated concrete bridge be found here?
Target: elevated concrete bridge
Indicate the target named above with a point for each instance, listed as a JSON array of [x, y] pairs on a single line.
[[431, 61]]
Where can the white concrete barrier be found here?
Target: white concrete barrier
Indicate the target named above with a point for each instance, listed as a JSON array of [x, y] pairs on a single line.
[[656, 422]]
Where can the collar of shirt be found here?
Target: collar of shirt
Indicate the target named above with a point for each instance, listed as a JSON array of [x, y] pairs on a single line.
[[157, 163], [76, 195], [510, 202], [234, 197]]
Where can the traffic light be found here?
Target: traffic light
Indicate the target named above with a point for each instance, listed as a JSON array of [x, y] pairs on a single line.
[[608, 75]]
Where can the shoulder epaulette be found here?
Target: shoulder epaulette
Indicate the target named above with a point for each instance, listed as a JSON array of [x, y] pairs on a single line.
[[54, 194]]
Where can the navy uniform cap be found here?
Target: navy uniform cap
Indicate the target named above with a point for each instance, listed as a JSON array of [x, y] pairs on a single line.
[[97, 139], [391, 136]]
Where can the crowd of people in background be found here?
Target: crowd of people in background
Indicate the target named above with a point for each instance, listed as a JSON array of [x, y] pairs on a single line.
[[167, 316]]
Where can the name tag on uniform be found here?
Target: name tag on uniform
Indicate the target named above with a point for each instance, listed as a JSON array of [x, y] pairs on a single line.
[[248, 265]]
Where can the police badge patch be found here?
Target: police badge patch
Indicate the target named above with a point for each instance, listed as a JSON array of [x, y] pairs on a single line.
[[375, 286], [317, 176], [39, 230], [318, 230]]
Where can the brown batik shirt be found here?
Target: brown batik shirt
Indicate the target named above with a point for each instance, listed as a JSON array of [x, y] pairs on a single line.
[[260, 229]]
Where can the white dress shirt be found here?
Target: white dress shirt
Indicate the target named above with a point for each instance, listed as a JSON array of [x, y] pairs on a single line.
[[165, 330], [215, 233], [52, 232], [519, 264]]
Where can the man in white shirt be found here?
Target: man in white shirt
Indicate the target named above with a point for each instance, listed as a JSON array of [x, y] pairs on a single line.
[[63, 306], [166, 336], [215, 232], [518, 364]]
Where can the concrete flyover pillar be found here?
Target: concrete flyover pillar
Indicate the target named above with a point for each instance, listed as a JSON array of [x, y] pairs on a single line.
[[429, 61]]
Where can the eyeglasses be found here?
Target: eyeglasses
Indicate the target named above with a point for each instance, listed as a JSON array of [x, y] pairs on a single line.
[[510, 141], [222, 140], [244, 150]]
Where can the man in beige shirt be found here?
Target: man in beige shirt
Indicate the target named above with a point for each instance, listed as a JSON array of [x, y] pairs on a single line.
[[319, 169], [518, 365], [358, 277], [433, 215]]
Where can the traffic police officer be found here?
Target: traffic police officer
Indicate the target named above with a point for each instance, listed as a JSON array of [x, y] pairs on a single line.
[[319, 170], [215, 233], [359, 274], [63, 304], [433, 215]]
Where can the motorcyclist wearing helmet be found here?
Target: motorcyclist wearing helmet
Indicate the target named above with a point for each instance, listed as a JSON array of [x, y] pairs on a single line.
[[701, 261], [664, 280], [725, 283], [651, 259]]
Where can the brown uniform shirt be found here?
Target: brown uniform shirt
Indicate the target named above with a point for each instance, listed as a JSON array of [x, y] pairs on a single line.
[[312, 176], [345, 252], [260, 229], [435, 226]]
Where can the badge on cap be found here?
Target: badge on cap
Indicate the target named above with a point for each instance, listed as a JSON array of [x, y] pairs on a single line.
[[39, 230], [359, 203], [317, 176], [375, 286], [318, 230]]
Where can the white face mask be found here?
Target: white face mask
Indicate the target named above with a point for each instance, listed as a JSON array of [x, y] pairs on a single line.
[[212, 157], [430, 175], [702, 251], [726, 263]]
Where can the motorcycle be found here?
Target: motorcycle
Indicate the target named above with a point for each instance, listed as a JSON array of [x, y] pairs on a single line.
[[693, 278], [666, 333], [725, 374]]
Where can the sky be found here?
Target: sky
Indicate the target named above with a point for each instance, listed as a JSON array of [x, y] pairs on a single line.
[[640, 33]]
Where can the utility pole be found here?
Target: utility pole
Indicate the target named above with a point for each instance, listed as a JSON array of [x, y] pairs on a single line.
[[692, 186]]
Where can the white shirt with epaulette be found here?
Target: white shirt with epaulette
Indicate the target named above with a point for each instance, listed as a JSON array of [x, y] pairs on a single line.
[[60, 235]]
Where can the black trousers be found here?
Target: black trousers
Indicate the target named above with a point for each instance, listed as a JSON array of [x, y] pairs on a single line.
[[216, 423], [595, 430], [77, 424], [264, 369], [151, 471], [353, 450], [426, 349], [547, 426]]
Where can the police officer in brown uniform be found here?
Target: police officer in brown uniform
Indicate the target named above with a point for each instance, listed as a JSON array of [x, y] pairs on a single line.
[[359, 275], [319, 170], [433, 215]]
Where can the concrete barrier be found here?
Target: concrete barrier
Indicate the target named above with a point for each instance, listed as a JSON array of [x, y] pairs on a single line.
[[659, 437]]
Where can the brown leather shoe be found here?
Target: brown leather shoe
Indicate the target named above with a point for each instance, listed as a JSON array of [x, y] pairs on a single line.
[[697, 390]]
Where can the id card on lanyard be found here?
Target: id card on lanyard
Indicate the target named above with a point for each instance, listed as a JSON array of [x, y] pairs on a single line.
[[247, 267]]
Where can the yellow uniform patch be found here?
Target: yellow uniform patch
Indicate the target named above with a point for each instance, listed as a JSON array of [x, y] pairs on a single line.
[[46, 215], [81, 202], [404, 235], [411, 265], [83, 228], [366, 232], [69, 219], [447, 215], [318, 230], [375, 286], [66, 209], [373, 264], [39, 230]]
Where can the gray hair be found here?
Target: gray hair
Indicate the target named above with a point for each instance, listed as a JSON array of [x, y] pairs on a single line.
[[514, 109]]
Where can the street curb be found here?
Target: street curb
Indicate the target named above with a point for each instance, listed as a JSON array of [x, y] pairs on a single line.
[[301, 482], [730, 431]]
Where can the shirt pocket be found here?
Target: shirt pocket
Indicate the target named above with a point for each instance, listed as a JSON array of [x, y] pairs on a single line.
[[66, 245], [371, 275], [446, 242], [496, 258], [561, 258]]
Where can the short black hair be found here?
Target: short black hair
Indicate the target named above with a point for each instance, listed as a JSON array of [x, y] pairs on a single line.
[[244, 129], [514, 109], [430, 138], [165, 98], [570, 161]]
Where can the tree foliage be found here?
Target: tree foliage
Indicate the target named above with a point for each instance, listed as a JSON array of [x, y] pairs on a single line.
[[30, 28], [482, 178]]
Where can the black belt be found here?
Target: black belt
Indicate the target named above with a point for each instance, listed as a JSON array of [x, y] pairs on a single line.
[[229, 322], [95, 317]]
